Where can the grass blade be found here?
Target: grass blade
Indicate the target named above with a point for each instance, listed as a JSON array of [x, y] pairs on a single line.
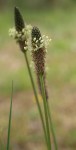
[[10, 116]]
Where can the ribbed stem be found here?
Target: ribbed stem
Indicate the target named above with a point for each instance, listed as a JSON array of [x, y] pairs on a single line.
[[35, 93], [46, 111], [51, 127]]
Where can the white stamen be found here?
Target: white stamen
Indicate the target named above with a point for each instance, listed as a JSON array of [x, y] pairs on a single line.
[[34, 39], [26, 47], [42, 41], [40, 38]]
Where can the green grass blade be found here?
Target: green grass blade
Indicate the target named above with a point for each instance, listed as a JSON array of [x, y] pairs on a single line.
[[10, 116]]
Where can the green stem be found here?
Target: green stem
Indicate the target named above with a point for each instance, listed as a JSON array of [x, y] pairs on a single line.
[[51, 127], [9, 124], [35, 93], [46, 111]]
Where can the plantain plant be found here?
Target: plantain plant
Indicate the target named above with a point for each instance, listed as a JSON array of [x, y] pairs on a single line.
[[30, 39]]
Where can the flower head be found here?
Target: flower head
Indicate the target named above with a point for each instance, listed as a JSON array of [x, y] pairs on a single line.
[[21, 32], [19, 26], [19, 22], [39, 41], [39, 55]]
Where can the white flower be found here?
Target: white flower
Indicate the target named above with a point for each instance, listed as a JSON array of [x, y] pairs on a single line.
[[21, 35], [40, 38], [42, 42], [26, 47], [12, 32], [25, 35], [34, 39]]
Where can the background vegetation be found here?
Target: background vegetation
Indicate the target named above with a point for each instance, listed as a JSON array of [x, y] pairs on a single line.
[[56, 18]]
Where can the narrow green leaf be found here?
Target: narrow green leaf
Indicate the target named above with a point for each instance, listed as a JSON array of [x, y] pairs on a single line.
[[10, 116]]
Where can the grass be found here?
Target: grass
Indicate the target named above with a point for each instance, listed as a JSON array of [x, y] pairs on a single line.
[[60, 25], [9, 122]]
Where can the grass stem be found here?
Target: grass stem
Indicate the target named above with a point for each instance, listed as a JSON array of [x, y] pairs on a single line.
[[36, 97], [46, 112], [51, 127]]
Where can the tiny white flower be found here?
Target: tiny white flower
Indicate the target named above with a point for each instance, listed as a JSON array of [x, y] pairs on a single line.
[[40, 38], [26, 47], [34, 39], [42, 41]]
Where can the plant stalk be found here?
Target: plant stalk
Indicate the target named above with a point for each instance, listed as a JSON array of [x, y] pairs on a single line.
[[46, 111], [51, 127], [36, 97]]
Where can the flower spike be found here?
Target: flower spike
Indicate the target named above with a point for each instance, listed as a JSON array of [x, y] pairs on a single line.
[[19, 26], [19, 22], [39, 55], [21, 32]]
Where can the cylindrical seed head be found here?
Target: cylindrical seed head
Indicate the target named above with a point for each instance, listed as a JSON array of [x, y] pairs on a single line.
[[39, 56], [19, 25], [19, 22]]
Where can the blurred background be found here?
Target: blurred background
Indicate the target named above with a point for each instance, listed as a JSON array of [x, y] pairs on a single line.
[[57, 19]]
